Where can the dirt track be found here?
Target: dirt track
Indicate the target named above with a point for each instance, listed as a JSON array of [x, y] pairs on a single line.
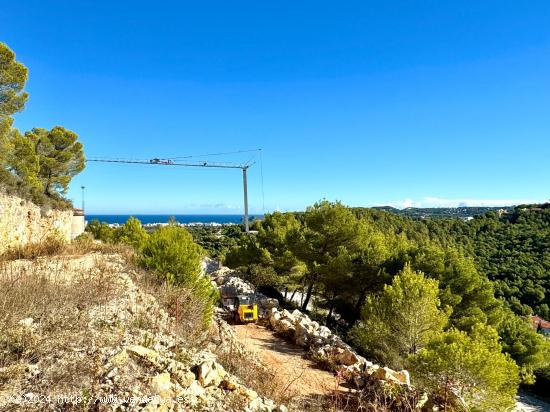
[[299, 376]]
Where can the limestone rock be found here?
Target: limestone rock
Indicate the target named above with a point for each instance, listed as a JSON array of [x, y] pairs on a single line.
[[162, 385], [210, 373], [144, 354], [27, 323]]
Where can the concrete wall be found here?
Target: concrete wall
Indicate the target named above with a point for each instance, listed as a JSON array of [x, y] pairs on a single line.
[[23, 222]]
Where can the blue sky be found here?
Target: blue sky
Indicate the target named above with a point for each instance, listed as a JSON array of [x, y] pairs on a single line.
[[406, 103]]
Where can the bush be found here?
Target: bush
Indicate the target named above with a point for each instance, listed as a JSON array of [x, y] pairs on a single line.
[[101, 231], [171, 253], [131, 233]]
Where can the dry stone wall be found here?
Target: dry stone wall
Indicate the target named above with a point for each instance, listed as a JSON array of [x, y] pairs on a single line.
[[23, 222]]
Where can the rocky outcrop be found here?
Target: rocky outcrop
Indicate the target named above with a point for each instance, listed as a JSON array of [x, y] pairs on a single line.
[[166, 384], [330, 350]]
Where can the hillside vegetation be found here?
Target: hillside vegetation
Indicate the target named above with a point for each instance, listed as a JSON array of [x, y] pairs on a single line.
[[85, 327], [354, 263]]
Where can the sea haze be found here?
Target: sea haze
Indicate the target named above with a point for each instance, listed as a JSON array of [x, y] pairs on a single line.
[[165, 218]]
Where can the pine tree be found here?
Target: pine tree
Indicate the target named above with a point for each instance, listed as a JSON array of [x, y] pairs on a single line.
[[402, 319], [60, 157], [467, 372]]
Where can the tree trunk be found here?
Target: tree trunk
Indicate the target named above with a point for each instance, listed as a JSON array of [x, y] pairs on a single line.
[[331, 308], [292, 296], [308, 296]]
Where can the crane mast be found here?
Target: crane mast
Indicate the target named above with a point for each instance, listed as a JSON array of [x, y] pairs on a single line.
[[170, 162]]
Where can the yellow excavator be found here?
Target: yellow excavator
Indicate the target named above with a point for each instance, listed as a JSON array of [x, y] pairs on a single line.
[[243, 308]]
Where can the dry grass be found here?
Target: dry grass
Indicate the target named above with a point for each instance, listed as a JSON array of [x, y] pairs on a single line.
[[56, 246], [254, 375], [180, 303], [57, 339]]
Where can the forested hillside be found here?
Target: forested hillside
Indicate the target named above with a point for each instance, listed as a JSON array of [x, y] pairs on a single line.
[[376, 276], [439, 212]]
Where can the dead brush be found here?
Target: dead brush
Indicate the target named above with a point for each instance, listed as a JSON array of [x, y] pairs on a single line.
[[372, 398], [55, 245], [185, 308], [57, 296], [52, 245]]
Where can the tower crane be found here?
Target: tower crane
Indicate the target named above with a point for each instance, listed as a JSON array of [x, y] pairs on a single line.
[[174, 162]]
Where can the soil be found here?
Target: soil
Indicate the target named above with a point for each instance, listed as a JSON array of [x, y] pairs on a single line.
[[298, 375]]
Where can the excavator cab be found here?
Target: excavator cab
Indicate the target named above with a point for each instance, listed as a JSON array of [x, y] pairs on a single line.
[[242, 307], [247, 309]]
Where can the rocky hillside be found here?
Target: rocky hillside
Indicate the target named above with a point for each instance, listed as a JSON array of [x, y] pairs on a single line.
[[82, 333]]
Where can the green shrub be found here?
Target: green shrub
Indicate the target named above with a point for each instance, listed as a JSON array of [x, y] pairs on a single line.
[[131, 233], [101, 231], [171, 253]]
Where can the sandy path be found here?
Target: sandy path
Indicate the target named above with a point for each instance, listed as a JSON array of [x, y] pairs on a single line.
[[302, 377]]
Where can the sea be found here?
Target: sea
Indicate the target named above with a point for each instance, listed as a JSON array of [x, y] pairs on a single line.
[[185, 219]]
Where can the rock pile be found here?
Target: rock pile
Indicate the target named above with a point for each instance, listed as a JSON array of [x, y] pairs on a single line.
[[157, 382], [330, 350], [223, 276]]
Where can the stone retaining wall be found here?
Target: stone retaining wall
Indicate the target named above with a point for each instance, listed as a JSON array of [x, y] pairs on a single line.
[[23, 222]]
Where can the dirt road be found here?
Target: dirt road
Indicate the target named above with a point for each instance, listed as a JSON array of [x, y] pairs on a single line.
[[302, 377]]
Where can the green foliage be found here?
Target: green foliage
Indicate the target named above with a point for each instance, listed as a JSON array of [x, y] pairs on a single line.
[[217, 241], [13, 76], [528, 348], [101, 231], [131, 233], [328, 229], [248, 252], [402, 319], [462, 287], [171, 253], [344, 256], [458, 367], [23, 160], [59, 155]]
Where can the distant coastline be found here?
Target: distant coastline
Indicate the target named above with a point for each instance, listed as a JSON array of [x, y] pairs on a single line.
[[184, 219]]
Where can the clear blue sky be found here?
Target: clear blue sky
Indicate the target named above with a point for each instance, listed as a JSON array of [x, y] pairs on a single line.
[[368, 102]]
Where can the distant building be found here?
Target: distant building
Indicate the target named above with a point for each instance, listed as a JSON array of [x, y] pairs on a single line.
[[78, 223], [540, 325]]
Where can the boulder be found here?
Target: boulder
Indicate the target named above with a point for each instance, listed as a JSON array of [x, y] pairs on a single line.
[[194, 390], [210, 373], [181, 374], [274, 319], [324, 332], [27, 323], [402, 377], [120, 358], [302, 328], [285, 314], [144, 355], [162, 385], [344, 356]]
